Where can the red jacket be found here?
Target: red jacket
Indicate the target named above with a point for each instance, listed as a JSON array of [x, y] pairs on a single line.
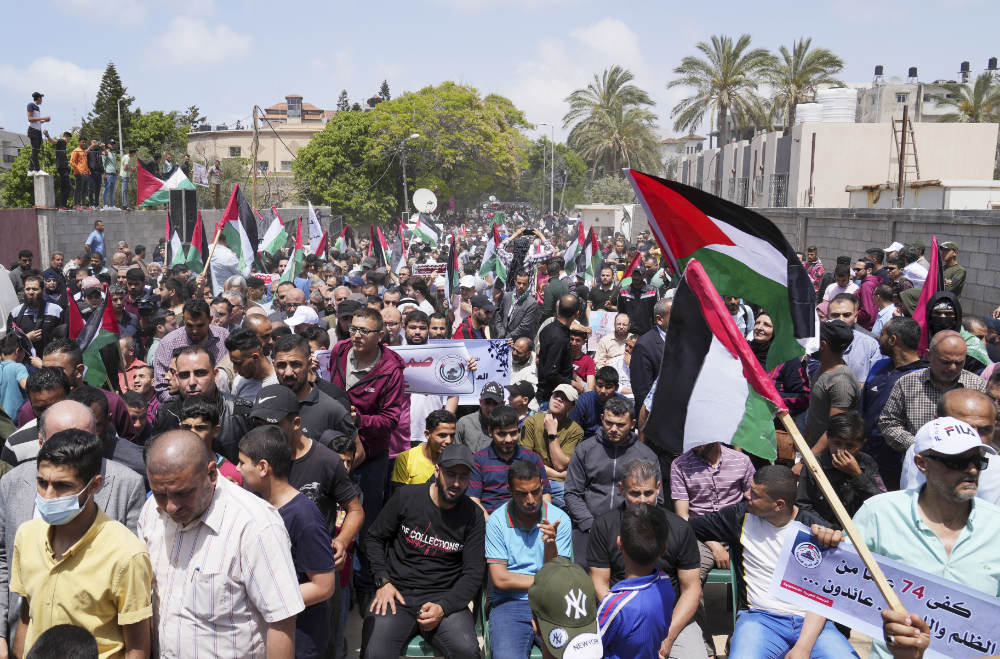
[[378, 395], [867, 309]]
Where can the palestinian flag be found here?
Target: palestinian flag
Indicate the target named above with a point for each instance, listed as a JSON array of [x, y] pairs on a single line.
[[321, 247], [491, 260], [152, 191], [593, 258], [195, 253], [627, 276], [378, 248], [575, 249], [175, 253], [75, 324], [426, 230], [98, 340], [275, 236], [341, 244], [294, 266], [397, 257], [743, 252], [711, 386], [454, 272], [316, 232], [239, 225]]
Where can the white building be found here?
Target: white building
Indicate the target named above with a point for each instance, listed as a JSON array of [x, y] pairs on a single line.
[[10, 144]]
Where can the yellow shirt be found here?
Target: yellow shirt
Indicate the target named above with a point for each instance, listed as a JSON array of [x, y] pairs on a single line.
[[103, 582], [412, 467]]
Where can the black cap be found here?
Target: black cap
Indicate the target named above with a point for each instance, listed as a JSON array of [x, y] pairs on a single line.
[[273, 403], [837, 334], [992, 323], [482, 302], [492, 391], [522, 388], [456, 454], [37, 94]]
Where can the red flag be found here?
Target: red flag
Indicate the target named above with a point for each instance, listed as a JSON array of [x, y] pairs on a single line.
[[75, 317], [146, 184], [232, 211], [166, 237], [321, 247], [196, 236], [631, 266], [926, 293]]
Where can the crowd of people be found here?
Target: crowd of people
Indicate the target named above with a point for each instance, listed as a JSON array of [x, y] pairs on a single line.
[[254, 472]]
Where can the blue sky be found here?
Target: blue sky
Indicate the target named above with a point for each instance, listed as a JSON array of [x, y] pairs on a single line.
[[226, 56]]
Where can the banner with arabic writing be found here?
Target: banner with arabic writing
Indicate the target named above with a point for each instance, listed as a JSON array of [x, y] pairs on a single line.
[[437, 368], [834, 583], [492, 364]]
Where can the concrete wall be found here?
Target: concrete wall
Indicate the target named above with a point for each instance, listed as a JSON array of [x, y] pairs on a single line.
[[850, 231]]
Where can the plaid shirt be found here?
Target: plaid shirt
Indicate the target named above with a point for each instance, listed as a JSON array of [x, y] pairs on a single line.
[[215, 343], [913, 402]]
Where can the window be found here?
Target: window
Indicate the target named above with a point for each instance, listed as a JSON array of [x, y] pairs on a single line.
[[294, 107], [262, 166], [286, 166], [235, 152], [901, 98]]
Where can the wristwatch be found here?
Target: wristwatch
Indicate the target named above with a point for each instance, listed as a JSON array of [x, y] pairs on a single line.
[[552, 436], [381, 581]]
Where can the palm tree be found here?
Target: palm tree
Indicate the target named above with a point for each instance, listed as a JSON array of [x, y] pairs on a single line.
[[724, 82], [975, 104], [795, 75], [612, 125]]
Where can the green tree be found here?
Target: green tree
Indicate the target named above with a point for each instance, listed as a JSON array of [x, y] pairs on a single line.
[[102, 122], [191, 118], [355, 107], [343, 104], [611, 189], [17, 189], [339, 167], [612, 124], [795, 74], [976, 103], [725, 82], [158, 131], [569, 181], [383, 91]]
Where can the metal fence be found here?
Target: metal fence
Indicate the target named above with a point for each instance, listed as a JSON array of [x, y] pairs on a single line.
[[778, 191]]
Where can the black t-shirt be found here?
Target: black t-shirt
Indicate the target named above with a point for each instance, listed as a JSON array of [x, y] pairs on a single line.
[[334, 392], [319, 412], [320, 475], [424, 549], [62, 162], [682, 546], [311, 552], [598, 296]]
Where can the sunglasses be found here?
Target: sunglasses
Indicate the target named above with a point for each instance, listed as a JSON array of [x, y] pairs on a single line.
[[958, 463]]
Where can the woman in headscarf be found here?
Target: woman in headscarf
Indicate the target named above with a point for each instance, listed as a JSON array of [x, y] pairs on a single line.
[[789, 378]]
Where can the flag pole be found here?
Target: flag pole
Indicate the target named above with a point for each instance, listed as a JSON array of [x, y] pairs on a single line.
[[211, 251], [838, 509]]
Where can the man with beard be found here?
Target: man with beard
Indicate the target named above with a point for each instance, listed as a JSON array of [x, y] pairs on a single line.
[[523, 368], [38, 319], [318, 410], [438, 326], [427, 555], [519, 311], [488, 487], [196, 331], [477, 324], [603, 296], [613, 345]]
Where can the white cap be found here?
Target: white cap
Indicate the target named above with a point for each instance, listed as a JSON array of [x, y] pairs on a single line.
[[303, 314], [467, 281], [895, 247], [949, 436]]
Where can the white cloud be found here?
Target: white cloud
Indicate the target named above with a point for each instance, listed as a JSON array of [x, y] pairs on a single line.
[[475, 6], [66, 85], [126, 13], [189, 41]]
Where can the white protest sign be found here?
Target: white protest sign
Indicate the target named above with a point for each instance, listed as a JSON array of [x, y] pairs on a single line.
[[199, 174], [835, 583], [602, 323], [437, 369], [493, 364]]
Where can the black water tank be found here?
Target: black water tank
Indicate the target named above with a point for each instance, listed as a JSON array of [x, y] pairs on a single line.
[[912, 72], [991, 64], [963, 67], [879, 69]]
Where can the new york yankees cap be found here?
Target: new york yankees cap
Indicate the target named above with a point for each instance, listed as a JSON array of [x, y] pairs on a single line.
[[564, 604]]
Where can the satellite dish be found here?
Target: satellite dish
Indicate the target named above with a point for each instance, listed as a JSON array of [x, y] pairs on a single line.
[[424, 200], [492, 198]]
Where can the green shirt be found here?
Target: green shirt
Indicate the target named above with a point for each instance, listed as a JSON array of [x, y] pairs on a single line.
[[892, 526], [533, 437]]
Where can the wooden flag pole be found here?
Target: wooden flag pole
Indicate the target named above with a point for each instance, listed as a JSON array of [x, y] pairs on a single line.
[[202, 278], [838, 508]]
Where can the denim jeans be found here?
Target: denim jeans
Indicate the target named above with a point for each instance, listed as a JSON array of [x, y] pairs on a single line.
[[558, 494], [109, 190], [511, 635], [125, 181], [763, 635]]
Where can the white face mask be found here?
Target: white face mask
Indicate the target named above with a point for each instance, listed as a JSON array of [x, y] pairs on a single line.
[[61, 510]]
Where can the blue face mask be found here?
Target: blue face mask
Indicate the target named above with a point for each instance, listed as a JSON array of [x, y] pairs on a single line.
[[61, 510]]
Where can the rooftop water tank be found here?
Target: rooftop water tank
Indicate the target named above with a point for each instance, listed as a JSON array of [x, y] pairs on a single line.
[[839, 105], [808, 112]]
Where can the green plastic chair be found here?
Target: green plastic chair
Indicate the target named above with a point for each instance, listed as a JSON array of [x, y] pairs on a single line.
[[727, 577]]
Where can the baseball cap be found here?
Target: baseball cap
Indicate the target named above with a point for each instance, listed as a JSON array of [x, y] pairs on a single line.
[[895, 246], [303, 314], [273, 403], [949, 436], [456, 454], [568, 391], [563, 601], [949, 244], [837, 334], [492, 391], [368, 262], [354, 281], [522, 388], [483, 302], [992, 323], [467, 281]]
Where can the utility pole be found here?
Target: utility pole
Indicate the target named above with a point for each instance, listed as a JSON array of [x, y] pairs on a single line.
[[406, 196], [552, 172], [253, 153]]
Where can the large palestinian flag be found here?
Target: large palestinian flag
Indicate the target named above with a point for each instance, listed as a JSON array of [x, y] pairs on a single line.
[[427, 230], [152, 191], [575, 249], [711, 386], [239, 225], [98, 340], [744, 254], [275, 236], [294, 267]]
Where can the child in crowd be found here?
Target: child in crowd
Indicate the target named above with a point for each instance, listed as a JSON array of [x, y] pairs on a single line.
[[202, 418], [265, 460], [345, 447], [13, 375], [635, 615], [136, 404], [852, 472]]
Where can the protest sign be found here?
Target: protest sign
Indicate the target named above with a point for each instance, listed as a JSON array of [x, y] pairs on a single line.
[[269, 278], [199, 174], [323, 357], [426, 269], [437, 368], [834, 583], [493, 364], [602, 323]]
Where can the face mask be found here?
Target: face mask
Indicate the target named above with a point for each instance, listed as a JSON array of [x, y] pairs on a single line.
[[61, 510]]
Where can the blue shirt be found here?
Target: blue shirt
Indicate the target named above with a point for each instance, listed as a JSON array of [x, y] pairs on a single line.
[[883, 317], [489, 478], [521, 550], [11, 397], [96, 242], [635, 615], [587, 411]]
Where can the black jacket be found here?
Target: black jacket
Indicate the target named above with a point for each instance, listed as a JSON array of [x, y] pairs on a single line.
[[555, 364], [645, 365]]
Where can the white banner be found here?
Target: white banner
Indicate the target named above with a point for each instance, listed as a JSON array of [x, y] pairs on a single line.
[[437, 368], [493, 357], [199, 174]]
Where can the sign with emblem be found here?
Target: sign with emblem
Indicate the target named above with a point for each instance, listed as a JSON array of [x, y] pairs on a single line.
[[492, 363], [437, 368]]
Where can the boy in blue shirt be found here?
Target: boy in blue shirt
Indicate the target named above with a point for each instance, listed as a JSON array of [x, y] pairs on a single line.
[[13, 375], [635, 615]]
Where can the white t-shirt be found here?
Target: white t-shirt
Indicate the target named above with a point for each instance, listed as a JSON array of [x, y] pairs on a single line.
[[835, 289]]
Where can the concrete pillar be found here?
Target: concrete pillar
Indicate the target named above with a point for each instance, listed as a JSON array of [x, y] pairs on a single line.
[[45, 191]]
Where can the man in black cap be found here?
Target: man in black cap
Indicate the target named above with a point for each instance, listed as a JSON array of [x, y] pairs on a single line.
[[835, 389], [35, 121], [477, 325], [427, 552], [473, 430]]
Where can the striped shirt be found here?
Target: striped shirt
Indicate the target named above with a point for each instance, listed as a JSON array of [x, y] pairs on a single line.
[[221, 579], [215, 343], [913, 402], [708, 488], [489, 478]]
